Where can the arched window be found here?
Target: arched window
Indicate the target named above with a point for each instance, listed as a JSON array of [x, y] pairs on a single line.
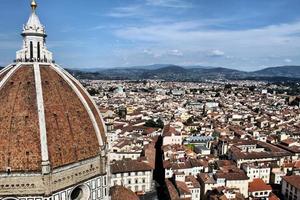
[[39, 51], [31, 51], [10, 198]]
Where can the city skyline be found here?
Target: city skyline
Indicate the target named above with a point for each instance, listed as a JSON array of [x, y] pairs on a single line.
[[235, 34], [170, 133]]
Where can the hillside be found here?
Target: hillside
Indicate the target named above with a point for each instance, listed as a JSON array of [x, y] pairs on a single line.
[[284, 71], [179, 73]]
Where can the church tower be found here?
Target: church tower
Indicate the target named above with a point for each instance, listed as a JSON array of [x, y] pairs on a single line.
[[34, 40], [53, 142]]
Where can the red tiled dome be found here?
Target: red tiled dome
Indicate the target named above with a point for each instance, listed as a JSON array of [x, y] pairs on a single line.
[[73, 128]]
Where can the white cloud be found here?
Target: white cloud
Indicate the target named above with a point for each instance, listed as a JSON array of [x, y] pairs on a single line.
[[152, 54], [175, 52], [169, 3], [163, 53], [197, 42], [276, 39], [126, 11], [287, 60], [144, 10], [216, 53], [194, 31], [100, 27]]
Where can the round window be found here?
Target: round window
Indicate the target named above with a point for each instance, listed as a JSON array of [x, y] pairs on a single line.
[[81, 192], [77, 194]]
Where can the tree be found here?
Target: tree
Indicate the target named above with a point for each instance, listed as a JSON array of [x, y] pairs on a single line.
[[154, 124], [191, 147], [93, 91], [227, 86], [189, 121], [160, 123], [150, 123], [215, 135], [193, 131], [122, 112], [252, 88]]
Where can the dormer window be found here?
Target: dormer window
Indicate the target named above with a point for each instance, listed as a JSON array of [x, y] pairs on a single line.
[[8, 170]]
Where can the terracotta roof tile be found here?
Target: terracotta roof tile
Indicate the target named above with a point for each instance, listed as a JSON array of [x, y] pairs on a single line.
[[293, 180], [122, 193], [258, 185], [129, 166], [172, 190]]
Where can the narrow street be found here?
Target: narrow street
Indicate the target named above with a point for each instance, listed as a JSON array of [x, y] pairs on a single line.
[[159, 172]]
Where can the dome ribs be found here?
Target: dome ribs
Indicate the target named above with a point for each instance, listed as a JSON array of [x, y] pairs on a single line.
[[90, 103], [2, 75], [5, 70], [71, 118], [57, 132], [19, 144], [92, 106], [71, 136]]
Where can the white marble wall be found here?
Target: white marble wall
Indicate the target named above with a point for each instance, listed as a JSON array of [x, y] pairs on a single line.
[[97, 188]]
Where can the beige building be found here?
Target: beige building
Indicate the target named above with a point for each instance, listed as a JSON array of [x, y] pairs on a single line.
[[255, 170], [229, 179], [171, 136], [132, 174]]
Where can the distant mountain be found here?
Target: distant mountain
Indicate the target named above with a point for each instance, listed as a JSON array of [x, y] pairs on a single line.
[[151, 67], [158, 66], [146, 67], [283, 71], [172, 69], [169, 73], [179, 73]]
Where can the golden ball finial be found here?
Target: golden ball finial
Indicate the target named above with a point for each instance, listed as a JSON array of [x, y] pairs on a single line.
[[33, 5]]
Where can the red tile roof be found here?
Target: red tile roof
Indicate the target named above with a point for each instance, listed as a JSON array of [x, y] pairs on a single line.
[[129, 166], [293, 180], [173, 194], [273, 197], [258, 185], [169, 130], [122, 193]]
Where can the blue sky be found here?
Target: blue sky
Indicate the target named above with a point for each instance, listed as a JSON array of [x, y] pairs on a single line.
[[240, 34]]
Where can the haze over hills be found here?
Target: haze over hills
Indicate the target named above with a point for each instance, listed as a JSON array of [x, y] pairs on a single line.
[[191, 73], [145, 67], [285, 71], [179, 73]]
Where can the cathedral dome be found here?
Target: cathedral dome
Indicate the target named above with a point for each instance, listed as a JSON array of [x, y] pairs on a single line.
[[46, 112], [52, 136]]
